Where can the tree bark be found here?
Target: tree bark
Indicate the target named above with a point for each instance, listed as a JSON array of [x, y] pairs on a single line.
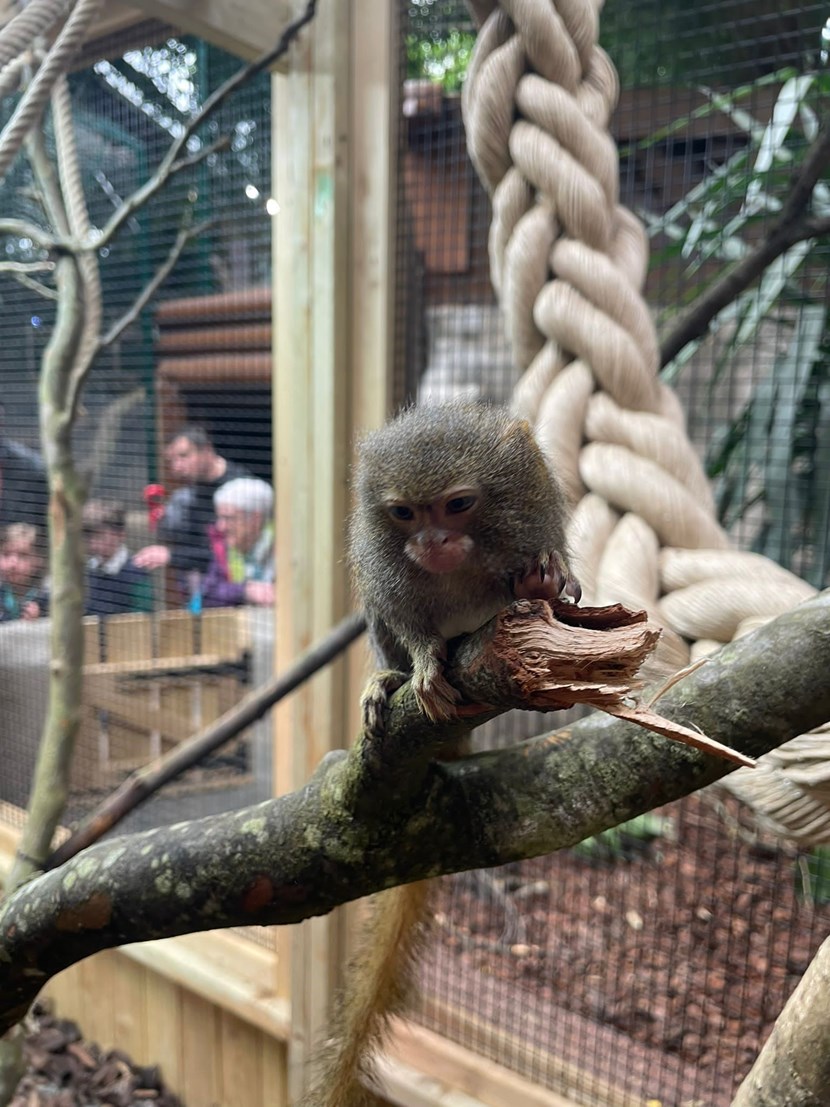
[[793, 1068], [66, 498]]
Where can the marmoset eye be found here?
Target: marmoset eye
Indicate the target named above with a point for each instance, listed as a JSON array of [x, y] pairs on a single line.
[[459, 504], [402, 512]]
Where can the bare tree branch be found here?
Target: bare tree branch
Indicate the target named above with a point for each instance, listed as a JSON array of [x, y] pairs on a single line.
[[341, 837], [792, 225], [47, 798], [27, 267], [216, 147], [48, 186], [171, 163], [20, 271], [794, 1065], [185, 235], [22, 228], [29, 282]]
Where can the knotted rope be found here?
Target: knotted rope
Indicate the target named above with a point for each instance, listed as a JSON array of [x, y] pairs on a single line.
[[568, 264]]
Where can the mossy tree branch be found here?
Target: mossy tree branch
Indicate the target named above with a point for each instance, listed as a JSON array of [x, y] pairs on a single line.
[[340, 837]]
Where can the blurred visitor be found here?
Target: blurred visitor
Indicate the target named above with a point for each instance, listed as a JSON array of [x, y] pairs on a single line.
[[242, 568], [183, 529], [22, 591], [114, 583]]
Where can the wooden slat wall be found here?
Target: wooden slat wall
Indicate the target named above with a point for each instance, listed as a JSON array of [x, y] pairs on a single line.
[[126, 724]]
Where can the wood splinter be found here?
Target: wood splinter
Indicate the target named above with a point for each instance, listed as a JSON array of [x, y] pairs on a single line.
[[556, 655]]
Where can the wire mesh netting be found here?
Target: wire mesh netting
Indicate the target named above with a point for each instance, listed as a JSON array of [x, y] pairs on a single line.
[[176, 409], [651, 963], [646, 965]]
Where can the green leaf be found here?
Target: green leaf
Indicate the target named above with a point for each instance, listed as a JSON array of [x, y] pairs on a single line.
[[816, 888], [628, 840]]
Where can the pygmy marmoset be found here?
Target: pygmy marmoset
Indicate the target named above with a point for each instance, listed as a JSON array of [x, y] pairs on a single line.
[[457, 513]]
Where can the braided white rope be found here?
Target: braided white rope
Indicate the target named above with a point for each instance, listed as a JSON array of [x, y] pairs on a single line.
[[27, 24], [31, 105], [69, 171], [568, 263]]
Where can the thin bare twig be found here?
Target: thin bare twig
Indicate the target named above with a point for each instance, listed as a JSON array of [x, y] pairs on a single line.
[[792, 225], [185, 235], [171, 162], [218, 146], [29, 282], [27, 266], [48, 187], [22, 228]]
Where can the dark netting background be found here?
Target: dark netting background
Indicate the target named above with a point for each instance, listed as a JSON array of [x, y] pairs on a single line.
[[199, 355], [650, 964]]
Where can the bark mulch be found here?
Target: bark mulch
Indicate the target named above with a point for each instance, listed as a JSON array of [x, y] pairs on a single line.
[[66, 1071]]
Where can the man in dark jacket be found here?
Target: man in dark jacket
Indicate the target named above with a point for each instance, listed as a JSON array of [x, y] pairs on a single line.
[[184, 541]]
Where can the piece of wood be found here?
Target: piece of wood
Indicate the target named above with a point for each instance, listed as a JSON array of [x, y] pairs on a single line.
[[92, 640], [201, 1050], [405, 1086], [130, 1009], [247, 303], [127, 747], [224, 629], [439, 194], [128, 723], [127, 638], [234, 337], [243, 27], [170, 667], [164, 1020], [225, 969], [200, 368], [328, 198], [375, 121], [241, 1071], [311, 161], [274, 1092], [175, 634], [138, 708], [90, 752]]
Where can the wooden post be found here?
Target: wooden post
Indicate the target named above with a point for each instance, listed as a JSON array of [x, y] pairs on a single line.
[[333, 144]]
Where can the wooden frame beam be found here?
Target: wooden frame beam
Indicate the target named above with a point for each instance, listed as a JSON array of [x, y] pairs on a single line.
[[333, 148], [243, 27]]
